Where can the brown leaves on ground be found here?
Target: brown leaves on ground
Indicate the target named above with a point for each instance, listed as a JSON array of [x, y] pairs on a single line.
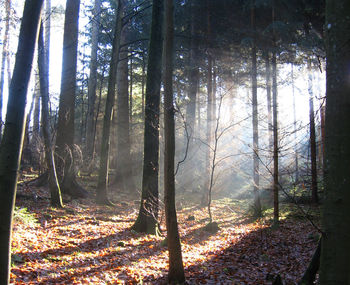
[[89, 244]]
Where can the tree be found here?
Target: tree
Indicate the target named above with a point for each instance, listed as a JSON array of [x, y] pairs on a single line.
[[275, 140], [90, 126], [335, 249], [314, 193], [257, 204], [11, 144], [176, 271], [147, 220], [55, 191], [124, 171], [101, 195], [5, 52], [65, 126]]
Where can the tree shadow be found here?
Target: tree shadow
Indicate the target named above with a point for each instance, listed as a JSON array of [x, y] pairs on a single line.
[[256, 258], [112, 260]]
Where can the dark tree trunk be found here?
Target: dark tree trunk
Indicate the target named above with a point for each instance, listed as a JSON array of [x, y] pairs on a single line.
[[194, 71], [101, 194], [210, 114], [335, 249], [257, 204], [143, 84], [65, 126], [5, 52], [131, 90], [90, 120], [268, 99], [295, 130], [314, 194], [148, 215], [124, 179], [11, 144], [55, 191], [176, 273], [275, 141], [205, 198]]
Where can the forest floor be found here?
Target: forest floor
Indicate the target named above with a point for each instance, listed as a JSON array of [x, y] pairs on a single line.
[[88, 244]]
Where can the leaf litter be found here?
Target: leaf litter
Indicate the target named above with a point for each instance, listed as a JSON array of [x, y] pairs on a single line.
[[89, 244]]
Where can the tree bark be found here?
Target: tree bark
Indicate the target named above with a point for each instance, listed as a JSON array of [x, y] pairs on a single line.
[[295, 130], [176, 273], [92, 82], [210, 114], [101, 194], [148, 215], [257, 203], [5, 52], [124, 179], [335, 251], [65, 126], [275, 140], [193, 72], [55, 191], [314, 194], [11, 144]]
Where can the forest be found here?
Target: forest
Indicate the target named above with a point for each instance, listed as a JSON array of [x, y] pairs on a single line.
[[175, 142]]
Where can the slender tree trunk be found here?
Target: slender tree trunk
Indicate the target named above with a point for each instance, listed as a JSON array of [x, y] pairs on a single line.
[[275, 140], [205, 198], [101, 195], [295, 130], [257, 204], [335, 248], [131, 90], [36, 115], [11, 144], [176, 273], [55, 191], [124, 179], [268, 99], [98, 104], [5, 52], [92, 82], [312, 138], [193, 72], [143, 85], [208, 131], [148, 215]]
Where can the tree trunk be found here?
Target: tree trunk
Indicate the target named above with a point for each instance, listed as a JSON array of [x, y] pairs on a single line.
[[176, 273], [36, 115], [148, 215], [193, 72], [275, 140], [5, 52], [295, 130], [101, 194], [131, 90], [55, 191], [124, 178], [268, 99], [257, 204], [335, 250], [210, 114], [65, 126], [314, 194], [11, 144], [205, 197], [92, 82]]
